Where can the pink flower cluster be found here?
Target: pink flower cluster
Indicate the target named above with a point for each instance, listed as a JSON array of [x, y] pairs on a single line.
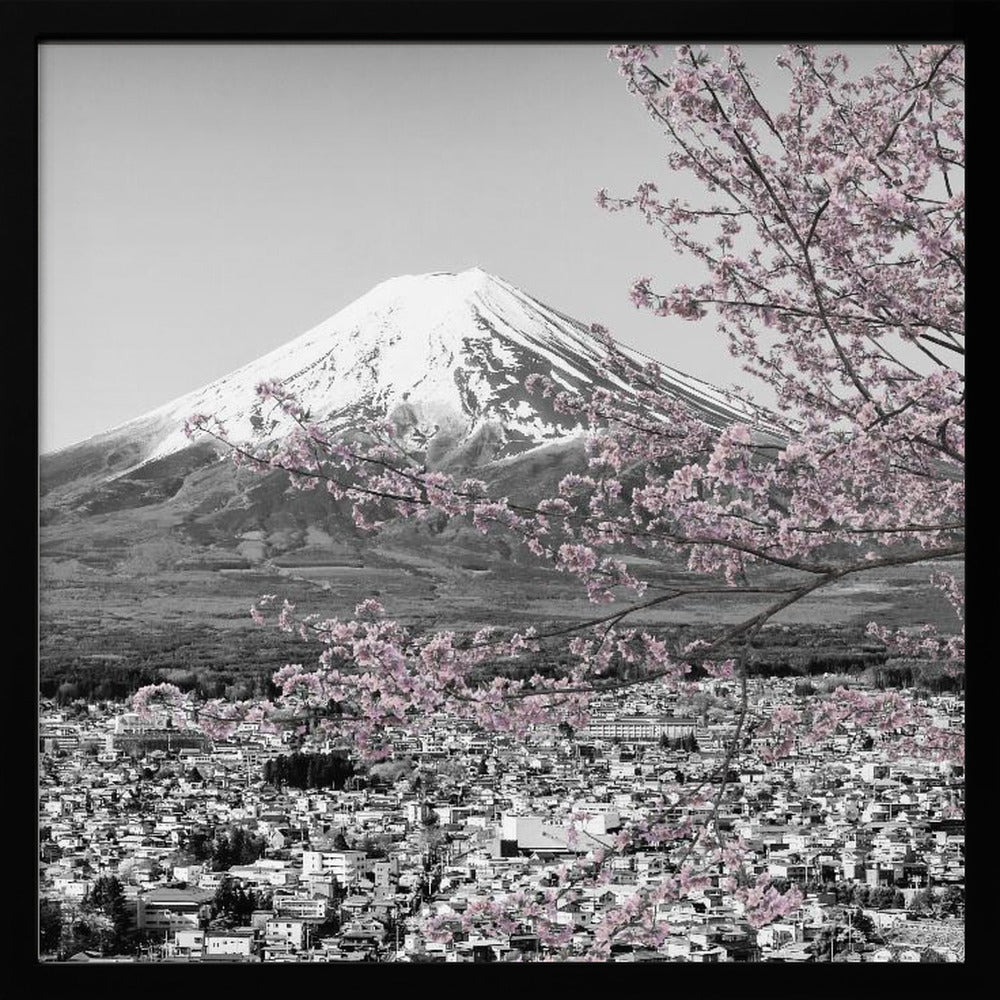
[[763, 904]]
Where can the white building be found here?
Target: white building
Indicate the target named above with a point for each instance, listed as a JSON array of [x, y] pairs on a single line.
[[539, 836], [640, 728], [300, 908], [189, 942], [231, 944], [171, 909], [344, 866], [286, 930]]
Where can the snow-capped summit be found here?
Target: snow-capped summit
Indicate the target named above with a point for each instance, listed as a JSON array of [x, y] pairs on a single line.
[[444, 354]]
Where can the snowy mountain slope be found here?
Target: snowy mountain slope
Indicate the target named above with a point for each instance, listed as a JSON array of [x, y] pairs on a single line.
[[444, 353]]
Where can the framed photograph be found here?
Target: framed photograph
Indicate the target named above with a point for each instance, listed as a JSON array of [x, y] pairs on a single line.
[[501, 489]]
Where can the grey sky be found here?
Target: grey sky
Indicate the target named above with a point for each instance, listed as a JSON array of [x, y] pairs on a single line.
[[203, 204]]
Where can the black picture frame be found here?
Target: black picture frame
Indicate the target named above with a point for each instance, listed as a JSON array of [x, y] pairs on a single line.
[[24, 24]]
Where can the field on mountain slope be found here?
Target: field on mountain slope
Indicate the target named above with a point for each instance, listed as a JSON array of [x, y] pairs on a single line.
[[196, 615]]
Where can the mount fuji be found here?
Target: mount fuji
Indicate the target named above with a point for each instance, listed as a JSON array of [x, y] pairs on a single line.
[[443, 355]]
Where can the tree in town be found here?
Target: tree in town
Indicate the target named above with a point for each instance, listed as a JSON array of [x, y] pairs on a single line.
[[309, 770], [106, 899], [50, 926], [863, 925], [883, 897], [237, 847], [233, 904], [84, 930], [831, 236], [846, 892], [952, 902], [198, 844]]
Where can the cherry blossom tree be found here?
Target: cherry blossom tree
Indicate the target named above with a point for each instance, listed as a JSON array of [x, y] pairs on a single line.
[[831, 236]]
